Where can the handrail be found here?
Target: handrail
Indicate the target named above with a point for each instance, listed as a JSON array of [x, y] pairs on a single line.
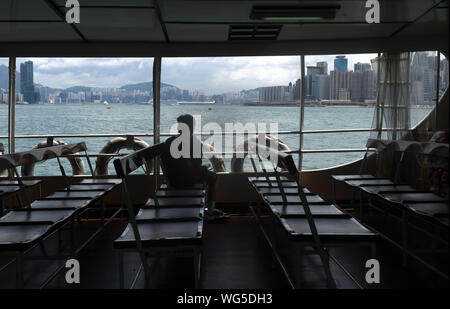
[[203, 133], [236, 152]]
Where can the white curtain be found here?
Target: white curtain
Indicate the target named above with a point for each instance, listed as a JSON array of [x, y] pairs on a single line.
[[392, 111]]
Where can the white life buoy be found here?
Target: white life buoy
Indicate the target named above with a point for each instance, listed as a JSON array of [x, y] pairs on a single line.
[[76, 162], [114, 146]]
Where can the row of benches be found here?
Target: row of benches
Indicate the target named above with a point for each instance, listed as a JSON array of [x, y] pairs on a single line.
[[171, 221], [398, 200], [306, 219], [24, 228]]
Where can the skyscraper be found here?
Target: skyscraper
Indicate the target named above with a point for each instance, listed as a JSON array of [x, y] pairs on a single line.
[[298, 90], [276, 94], [340, 63], [361, 67], [369, 85], [321, 90], [27, 82], [338, 81], [356, 92], [311, 73], [323, 65]]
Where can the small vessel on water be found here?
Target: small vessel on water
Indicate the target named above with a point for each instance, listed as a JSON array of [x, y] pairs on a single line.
[[206, 103], [381, 221]]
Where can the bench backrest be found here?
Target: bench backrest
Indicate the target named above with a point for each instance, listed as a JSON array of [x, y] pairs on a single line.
[[129, 163], [426, 148], [15, 159], [283, 160]]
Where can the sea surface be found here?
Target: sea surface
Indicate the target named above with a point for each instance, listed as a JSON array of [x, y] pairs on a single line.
[[136, 119]]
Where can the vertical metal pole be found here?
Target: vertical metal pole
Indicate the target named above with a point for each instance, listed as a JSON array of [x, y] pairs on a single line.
[[408, 91], [156, 110], [438, 69], [12, 105], [379, 123], [302, 112], [396, 83]]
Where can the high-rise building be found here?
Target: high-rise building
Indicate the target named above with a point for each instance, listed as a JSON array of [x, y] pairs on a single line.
[[362, 85], [369, 85], [340, 63], [276, 94], [27, 82], [43, 93], [311, 72], [339, 80], [343, 94], [361, 67], [356, 92], [323, 65], [298, 90], [321, 89]]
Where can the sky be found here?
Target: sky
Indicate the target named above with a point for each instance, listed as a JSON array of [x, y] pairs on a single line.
[[210, 75]]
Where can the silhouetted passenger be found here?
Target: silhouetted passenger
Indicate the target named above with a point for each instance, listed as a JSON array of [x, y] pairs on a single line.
[[181, 161]]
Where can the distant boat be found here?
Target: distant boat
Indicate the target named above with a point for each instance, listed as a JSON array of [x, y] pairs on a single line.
[[22, 103], [195, 103], [105, 103]]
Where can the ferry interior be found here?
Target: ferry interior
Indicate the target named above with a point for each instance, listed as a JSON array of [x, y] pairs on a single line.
[[90, 219]]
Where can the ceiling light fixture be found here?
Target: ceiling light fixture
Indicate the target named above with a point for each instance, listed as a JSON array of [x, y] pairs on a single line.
[[295, 13]]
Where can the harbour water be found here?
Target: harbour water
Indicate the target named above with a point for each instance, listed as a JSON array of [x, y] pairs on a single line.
[[135, 118]]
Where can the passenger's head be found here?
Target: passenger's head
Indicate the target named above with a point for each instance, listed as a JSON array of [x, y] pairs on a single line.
[[188, 120]]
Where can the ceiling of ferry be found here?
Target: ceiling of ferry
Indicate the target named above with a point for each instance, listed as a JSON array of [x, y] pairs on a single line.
[[166, 24]]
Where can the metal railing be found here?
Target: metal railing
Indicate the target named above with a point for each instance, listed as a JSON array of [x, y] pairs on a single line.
[[232, 153], [173, 134]]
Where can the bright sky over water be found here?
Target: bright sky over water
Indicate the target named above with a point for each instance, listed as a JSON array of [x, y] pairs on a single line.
[[211, 75]]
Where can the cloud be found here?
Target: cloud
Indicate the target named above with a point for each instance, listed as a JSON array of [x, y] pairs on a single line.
[[94, 72], [211, 75], [225, 74]]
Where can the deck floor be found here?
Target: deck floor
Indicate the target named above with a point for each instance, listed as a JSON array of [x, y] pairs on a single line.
[[234, 256]]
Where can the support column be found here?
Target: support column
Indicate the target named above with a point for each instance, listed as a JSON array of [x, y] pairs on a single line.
[[156, 109], [12, 105], [302, 112], [436, 107], [379, 121]]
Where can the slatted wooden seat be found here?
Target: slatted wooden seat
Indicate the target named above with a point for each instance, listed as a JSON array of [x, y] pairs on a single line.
[[305, 217], [400, 201], [53, 216], [352, 177], [171, 221], [297, 210], [22, 229], [175, 201], [331, 229], [26, 183], [18, 237]]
